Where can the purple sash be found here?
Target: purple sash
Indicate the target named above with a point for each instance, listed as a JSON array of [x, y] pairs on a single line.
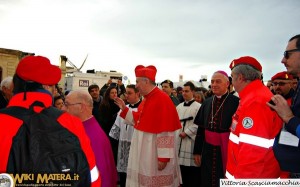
[[219, 139]]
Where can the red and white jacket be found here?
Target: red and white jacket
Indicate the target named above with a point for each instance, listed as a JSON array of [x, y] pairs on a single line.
[[9, 127], [253, 130]]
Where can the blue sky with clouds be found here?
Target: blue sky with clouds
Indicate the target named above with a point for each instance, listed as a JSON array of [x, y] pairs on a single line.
[[189, 38]]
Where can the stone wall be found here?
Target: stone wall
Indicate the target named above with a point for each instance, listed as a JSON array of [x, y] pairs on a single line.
[[9, 60]]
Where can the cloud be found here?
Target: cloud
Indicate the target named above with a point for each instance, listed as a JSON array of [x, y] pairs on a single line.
[[180, 37]]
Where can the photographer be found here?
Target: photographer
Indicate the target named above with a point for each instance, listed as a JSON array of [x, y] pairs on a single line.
[[114, 83]]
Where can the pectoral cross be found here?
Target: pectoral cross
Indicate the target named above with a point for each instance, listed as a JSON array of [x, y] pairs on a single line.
[[211, 124]]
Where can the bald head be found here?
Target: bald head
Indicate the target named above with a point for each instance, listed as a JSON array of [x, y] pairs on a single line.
[[79, 103]]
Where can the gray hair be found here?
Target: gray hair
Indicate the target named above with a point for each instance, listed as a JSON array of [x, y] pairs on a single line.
[[248, 72], [6, 82], [83, 96]]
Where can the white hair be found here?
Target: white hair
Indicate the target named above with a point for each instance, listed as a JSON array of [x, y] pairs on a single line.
[[6, 82]]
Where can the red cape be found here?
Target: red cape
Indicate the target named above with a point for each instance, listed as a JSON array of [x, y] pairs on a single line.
[[156, 113]]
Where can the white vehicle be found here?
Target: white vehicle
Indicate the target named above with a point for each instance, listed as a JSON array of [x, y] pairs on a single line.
[[81, 81], [74, 79]]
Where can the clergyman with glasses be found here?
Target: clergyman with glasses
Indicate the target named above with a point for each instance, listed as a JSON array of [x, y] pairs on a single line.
[[79, 103], [289, 156]]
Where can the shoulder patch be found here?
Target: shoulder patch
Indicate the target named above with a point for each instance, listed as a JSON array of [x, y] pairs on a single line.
[[247, 123], [233, 125]]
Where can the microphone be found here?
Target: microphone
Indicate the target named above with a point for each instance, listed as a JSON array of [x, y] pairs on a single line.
[[187, 119]]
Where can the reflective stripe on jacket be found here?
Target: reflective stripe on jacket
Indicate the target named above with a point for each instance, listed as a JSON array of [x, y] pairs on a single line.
[[254, 127]]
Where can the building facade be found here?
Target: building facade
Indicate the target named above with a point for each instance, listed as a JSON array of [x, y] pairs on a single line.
[[9, 60]]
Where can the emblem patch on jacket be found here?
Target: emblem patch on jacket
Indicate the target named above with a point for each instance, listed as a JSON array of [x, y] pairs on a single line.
[[247, 123]]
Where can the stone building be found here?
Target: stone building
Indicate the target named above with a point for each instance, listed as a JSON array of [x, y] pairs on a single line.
[[9, 60]]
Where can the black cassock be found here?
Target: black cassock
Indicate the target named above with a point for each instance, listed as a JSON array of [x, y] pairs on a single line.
[[212, 136]]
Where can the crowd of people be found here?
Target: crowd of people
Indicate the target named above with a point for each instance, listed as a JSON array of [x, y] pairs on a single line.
[[146, 134]]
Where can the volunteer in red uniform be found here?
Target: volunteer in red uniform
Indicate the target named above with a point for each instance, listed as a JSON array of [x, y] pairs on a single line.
[[282, 84], [254, 125], [37, 71]]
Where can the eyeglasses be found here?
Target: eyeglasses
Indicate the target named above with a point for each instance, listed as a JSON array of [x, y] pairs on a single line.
[[70, 104], [279, 83], [286, 54]]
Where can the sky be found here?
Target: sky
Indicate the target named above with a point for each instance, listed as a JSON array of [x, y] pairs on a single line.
[[192, 38]]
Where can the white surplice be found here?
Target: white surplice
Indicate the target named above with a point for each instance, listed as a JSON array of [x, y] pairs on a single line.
[[143, 163]]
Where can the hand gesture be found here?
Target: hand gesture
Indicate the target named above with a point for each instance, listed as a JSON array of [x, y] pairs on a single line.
[[281, 107], [197, 160], [161, 165], [120, 102]]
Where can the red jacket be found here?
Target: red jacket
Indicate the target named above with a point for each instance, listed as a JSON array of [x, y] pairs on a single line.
[[254, 127], [9, 127]]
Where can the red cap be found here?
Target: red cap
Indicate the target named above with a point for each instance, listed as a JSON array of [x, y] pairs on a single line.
[[283, 76], [149, 72], [247, 60], [38, 69]]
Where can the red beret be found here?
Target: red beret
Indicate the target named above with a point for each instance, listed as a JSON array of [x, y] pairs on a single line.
[[149, 72], [38, 69], [246, 60], [283, 76]]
